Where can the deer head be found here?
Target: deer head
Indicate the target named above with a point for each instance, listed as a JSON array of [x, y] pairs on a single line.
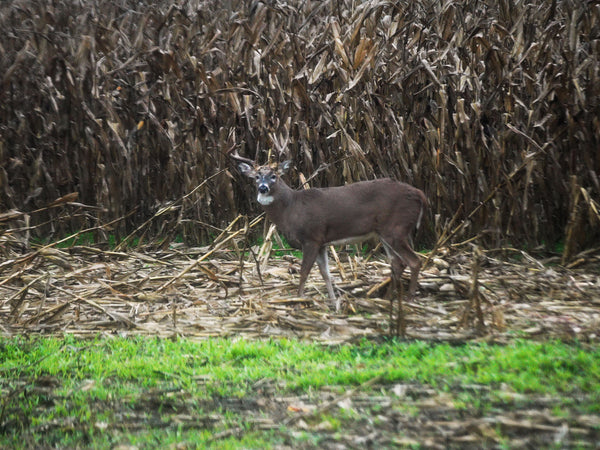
[[266, 178]]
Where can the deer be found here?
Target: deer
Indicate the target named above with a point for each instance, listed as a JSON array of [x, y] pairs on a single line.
[[312, 219]]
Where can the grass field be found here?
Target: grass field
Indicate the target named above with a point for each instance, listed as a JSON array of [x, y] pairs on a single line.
[[232, 393]]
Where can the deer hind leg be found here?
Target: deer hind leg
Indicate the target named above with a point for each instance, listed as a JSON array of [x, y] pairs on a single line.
[[396, 262], [414, 262], [401, 255], [324, 268], [398, 265]]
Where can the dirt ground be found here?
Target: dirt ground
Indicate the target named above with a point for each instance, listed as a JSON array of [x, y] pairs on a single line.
[[208, 291]]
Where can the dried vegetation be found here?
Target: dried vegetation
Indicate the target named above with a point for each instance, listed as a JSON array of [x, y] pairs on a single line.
[[123, 111]]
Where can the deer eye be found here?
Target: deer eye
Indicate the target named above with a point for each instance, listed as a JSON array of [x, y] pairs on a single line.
[[273, 178], [257, 178]]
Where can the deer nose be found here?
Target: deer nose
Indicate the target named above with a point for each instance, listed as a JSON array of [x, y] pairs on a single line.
[[263, 189]]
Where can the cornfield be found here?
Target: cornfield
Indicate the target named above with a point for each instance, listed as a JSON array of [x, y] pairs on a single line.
[[118, 116]]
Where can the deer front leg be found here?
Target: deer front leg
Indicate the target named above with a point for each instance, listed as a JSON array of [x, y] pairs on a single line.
[[324, 268], [309, 255]]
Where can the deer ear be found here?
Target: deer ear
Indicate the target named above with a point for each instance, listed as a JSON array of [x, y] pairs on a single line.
[[284, 166], [247, 169]]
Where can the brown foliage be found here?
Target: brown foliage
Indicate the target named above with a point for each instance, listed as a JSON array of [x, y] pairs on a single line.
[[492, 108]]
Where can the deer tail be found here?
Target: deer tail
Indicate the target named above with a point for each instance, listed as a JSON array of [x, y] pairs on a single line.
[[423, 207]]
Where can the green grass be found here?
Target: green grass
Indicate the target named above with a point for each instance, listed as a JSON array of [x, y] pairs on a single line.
[[65, 392], [82, 239], [89, 239]]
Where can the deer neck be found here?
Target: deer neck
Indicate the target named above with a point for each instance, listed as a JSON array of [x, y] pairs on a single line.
[[276, 202]]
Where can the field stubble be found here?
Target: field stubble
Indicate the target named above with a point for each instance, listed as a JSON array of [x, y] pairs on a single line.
[[226, 290]]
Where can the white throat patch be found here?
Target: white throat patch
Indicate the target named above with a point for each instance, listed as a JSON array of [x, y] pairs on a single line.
[[264, 199]]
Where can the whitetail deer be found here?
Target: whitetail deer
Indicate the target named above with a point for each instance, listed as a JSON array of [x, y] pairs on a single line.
[[312, 219]]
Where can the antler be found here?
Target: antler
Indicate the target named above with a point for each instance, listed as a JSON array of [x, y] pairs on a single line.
[[232, 152]]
